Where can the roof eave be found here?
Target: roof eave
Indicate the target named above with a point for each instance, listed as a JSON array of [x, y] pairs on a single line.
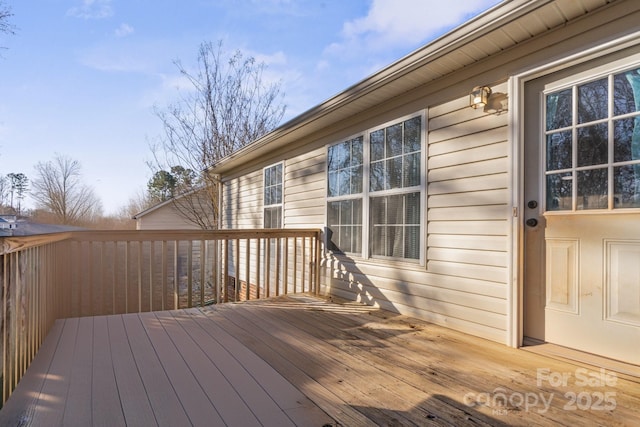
[[438, 49]]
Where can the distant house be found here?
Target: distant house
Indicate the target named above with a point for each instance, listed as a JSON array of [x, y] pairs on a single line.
[[8, 223], [488, 182], [163, 216]]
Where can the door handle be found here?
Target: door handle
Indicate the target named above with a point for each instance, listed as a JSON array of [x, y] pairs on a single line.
[[532, 222]]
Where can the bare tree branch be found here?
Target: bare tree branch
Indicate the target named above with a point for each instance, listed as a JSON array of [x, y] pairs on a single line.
[[229, 107], [58, 188]]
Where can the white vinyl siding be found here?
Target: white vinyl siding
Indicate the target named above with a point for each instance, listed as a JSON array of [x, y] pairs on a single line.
[[242, 202], [164, 218], [304, 190], [464, 284]]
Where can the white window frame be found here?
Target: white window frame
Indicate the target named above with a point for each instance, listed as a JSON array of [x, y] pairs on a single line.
[[572, 82], [366, 194], [264, 188]]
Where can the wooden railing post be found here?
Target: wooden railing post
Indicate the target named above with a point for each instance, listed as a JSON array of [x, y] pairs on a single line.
[[76, 273]]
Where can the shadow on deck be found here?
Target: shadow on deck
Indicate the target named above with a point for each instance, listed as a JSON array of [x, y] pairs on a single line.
[[301, 360]]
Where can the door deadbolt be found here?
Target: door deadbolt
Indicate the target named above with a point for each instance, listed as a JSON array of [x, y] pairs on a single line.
[[532, 222], [532, 204]]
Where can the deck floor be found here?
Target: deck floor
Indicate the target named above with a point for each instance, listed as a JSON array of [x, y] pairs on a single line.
[[302, 361]]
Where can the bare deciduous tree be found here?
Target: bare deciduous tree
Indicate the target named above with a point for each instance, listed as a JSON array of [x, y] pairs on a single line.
[[58, 188], [229, 106], [5, 13], [4, 191]]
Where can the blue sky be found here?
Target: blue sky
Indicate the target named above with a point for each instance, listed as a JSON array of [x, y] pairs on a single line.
[[81, 78]]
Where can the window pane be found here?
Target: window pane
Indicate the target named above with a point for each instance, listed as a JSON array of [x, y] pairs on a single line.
[[593, 143], [344, 181], [412, 209], [559, 151], [559, 192], [333, 213], [626, 92], [626, 182], [378, 210], [394, 140], [412, 242], [345, 225], [395, 209], [333, 188], [412, 130], [592, 189], [338, 157], [272, 217], [394, 173], [376, 140], [356, 180], [345, 168], [395, 226], [626, 140], [278, 175], [356, 151], [559, 111], [593, 101], [377, 179], [277, 194], [411, 176]]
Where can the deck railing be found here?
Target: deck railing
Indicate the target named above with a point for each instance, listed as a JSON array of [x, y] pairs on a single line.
[[87, 273]]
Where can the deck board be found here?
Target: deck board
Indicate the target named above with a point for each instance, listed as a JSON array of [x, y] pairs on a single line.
[[194, 401], [105, 399], [165, 403], [295, 360], [78, 408], [215, 386], [136, 407]]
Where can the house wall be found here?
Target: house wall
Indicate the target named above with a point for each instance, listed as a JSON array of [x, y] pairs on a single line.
[[466, 280], [164, 218]]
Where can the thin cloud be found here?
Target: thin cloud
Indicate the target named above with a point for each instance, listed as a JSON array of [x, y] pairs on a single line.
[[400, 23], [124, 30], [92, 9]]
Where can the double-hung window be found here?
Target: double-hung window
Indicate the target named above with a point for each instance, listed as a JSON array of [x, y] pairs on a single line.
[[273, 196], [374, 198]]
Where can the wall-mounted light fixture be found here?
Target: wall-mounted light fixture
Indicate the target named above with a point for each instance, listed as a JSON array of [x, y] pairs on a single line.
[[490, 102], [479, 97]]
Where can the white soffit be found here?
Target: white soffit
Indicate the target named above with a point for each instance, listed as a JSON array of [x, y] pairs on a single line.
[[502, 27]]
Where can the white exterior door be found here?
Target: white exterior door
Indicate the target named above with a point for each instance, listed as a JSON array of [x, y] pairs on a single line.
[[582, 208]]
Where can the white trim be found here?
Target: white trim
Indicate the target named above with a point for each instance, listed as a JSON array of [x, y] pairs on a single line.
[[516, 118], [281, 204], [366, 194]]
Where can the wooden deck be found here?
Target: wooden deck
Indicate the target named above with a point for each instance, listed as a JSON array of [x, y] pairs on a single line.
[[302, 361]]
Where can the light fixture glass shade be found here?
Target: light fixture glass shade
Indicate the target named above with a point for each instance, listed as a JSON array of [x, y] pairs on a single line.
[[479, 97]]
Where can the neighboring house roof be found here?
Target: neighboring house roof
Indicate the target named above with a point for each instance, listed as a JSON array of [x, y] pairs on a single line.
[[28, 228], [496, 30], [152, 209]]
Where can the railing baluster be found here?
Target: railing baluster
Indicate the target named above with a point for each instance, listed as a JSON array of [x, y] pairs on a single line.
[[225, 289], [247, 270], [189, 274], [165, 261], [139, 275], [203, 267], [176, 284], [152, 258], [77, 273], [267, 266], [259, 241], [285, 266]]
